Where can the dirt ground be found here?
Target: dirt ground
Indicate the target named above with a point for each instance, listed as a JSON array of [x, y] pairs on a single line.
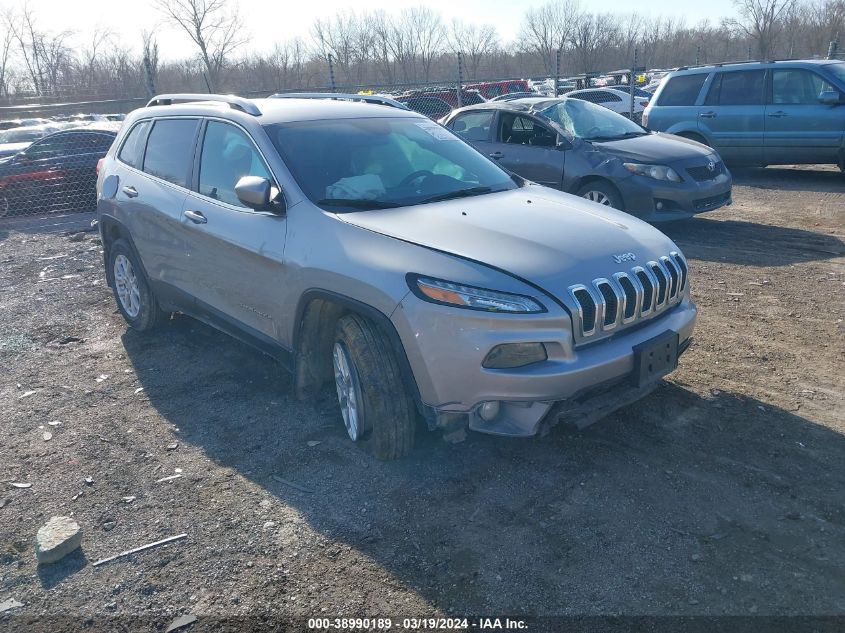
[[723, 492]]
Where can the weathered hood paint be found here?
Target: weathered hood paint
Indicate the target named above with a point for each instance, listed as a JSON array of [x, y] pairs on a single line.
[[549, 238]]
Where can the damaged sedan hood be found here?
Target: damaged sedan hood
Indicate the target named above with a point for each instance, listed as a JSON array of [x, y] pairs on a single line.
[[655, 148], [549, 238]]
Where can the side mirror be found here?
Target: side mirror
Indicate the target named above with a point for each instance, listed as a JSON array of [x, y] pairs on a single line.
[[258, 193], [830, 97]]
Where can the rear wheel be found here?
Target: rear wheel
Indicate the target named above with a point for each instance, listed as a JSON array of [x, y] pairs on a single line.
[[377, 411], [135, 299], [602, 193]]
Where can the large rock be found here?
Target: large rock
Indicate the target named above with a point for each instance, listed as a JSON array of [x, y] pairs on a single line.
[[56, 539]]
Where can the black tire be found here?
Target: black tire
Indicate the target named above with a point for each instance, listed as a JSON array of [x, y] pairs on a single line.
[[387, 421], [604, 188], [149, 315]]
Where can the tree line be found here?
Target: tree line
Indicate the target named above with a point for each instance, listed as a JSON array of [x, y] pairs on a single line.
[[413, 46]]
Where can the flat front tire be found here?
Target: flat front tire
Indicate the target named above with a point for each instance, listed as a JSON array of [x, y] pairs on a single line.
[[377, 410], [133, 295]]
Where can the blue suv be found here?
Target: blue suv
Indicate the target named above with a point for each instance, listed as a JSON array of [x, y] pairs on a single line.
[[757, 113]]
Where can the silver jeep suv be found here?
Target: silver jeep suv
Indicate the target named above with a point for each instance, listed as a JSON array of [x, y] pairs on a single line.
[[365, 243]]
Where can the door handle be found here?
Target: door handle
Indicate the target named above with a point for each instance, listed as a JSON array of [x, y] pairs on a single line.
[[130, 192], [496, 155], [196, 217], [778, 114], [708, 115]]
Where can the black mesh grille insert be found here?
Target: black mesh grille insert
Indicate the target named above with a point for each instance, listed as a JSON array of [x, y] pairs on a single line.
[[673, 286], [682, 266], [702, 173], [630, 296], [648, 287], [661, 283], [588, 308], [611, 304]]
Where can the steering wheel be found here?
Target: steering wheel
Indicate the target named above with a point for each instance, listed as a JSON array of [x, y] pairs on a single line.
[[407, 180]]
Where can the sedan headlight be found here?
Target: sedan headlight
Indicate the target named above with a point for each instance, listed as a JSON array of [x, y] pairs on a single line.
[[658, 172], [470, 297]]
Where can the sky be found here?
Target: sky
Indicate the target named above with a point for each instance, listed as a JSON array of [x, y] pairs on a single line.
[[269, 22]]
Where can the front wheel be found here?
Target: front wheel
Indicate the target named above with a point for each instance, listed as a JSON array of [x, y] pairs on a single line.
[[135, 299], [377, 411], [601, 193]]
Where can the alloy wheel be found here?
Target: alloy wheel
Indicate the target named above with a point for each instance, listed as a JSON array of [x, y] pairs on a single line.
[[598, 196], [126, 284], [348, 391]]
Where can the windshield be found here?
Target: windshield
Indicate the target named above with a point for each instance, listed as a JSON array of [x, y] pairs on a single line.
[[837, 70], [20, 136], [585, 120], [360, 164]]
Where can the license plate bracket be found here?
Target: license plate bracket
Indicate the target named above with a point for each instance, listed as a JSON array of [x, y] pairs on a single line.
[[655, 358]]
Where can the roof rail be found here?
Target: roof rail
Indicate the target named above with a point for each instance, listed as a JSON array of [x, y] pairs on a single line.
[[234, 102], [342, 96]]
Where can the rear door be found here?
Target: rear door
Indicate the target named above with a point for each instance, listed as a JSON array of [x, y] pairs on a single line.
[[529, 148], [155, 162], [234, 254], [800, 129], [733, 113]]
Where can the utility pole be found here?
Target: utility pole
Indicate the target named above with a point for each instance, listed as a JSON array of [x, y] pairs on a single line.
[[459, 99], [331, 73], [557, 72]]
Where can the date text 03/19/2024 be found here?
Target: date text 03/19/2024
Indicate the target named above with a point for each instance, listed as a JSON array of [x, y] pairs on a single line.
[[416, 624]]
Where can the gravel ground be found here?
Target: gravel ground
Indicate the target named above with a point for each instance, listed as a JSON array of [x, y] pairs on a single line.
[[723, 492]]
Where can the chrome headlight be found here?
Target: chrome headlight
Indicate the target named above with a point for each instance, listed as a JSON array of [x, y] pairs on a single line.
[[470, 297], [658, 172]]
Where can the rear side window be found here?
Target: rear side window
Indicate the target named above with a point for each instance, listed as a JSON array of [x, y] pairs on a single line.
[[682, 90], [170, 149], [132, 152], [737, 88], [473, 126]]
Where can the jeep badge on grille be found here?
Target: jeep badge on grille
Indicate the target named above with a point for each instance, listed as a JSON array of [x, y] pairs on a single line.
[[624, 257]]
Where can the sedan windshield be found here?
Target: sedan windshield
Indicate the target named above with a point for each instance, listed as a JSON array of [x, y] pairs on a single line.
[[380, 163], [591, 122]]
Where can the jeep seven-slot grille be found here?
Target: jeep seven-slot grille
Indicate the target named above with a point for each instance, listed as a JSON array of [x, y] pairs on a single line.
[[629, 296]]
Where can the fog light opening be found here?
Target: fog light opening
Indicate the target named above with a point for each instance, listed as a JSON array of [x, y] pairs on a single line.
[[489, 410]]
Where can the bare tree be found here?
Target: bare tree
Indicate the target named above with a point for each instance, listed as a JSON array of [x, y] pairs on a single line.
[[424, 35], [547, 29], [214, 27], [475, 42], [762, 22], [591, 34]]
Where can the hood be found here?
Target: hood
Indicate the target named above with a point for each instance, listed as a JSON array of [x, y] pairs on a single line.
[[656, 148], [549, 238]]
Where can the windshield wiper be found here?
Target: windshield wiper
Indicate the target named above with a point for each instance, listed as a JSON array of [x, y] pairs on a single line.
[[616, 137], [460, 193], [360, 204]]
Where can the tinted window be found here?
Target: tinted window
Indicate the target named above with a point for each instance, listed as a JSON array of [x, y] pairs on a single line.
[[473, 126], [682, 90], [54, 146], [795, 86], [170, 149], [597, 96], [227, 156], [837, 70], [132, 152], [738, 88], [521, 130]]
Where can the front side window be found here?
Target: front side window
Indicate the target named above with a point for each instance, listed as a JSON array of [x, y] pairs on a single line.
[[743, 87], [51, 147], [585, 120], [228, 155], [473, 126], [132, 152], [523, 130], [682, 90], [170, 149], [795, 86], [372, 163]]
